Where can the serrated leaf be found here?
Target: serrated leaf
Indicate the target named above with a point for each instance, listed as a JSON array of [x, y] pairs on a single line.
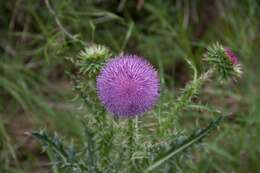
[[186, 144]]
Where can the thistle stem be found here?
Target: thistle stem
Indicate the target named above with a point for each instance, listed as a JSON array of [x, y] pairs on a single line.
[[188, 93], [130, 133]]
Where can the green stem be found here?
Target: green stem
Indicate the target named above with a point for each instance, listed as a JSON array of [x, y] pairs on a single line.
[[188, 93], [130, 146]]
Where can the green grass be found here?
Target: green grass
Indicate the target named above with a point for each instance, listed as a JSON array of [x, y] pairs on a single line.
[[34, 85]]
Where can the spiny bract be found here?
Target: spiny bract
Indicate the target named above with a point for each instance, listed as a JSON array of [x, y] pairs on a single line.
[[224, 60], [128, 86]]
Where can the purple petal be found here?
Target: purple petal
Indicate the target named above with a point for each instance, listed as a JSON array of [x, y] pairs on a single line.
[[128, 86]]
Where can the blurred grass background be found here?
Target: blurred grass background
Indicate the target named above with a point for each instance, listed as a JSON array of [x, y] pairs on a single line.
[[35, 91]]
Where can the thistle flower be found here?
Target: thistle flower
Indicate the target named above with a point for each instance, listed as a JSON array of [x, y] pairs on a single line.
[[224, 60], [128, 86], [230, 54]]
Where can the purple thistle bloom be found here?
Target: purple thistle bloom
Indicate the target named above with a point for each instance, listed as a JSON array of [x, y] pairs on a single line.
[[128, 86], [231, 55]]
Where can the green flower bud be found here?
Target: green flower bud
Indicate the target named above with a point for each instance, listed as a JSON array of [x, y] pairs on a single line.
[[91, 59], [224, 61]]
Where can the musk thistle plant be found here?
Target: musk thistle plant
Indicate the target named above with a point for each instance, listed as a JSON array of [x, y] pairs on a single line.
[[127, 86]]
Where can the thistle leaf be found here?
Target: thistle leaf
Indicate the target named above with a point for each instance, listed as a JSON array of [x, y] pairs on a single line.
[[186, 144]]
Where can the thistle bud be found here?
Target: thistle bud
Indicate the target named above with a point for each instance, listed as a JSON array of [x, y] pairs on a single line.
[[224, 61], [91, 59]]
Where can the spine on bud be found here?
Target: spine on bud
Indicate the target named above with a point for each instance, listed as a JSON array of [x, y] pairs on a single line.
[[91, 59], [224, 61]]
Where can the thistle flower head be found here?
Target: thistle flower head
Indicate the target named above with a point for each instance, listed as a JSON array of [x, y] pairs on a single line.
[[224, 60], [128, 86]]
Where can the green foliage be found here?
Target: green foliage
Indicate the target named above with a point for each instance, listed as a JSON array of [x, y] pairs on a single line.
[[65, 157], [194, 138], [36, 39], [106, 147]]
